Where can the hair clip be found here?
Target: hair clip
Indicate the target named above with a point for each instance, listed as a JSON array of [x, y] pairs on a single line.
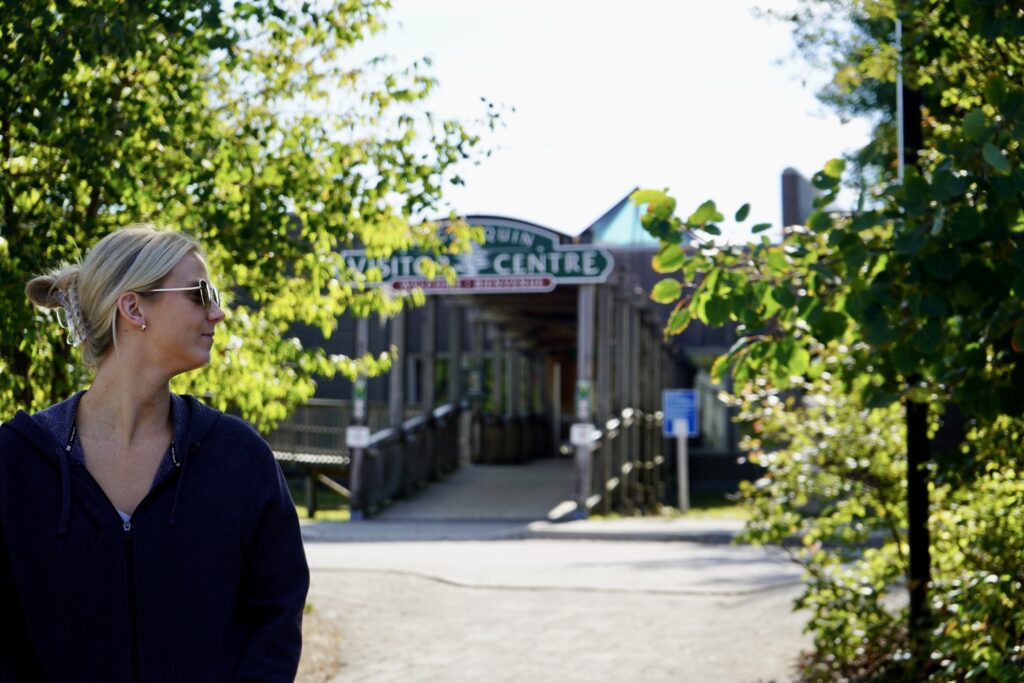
[[69, 317]]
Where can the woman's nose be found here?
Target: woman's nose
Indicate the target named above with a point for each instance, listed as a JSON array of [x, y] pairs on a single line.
[[215, 313]]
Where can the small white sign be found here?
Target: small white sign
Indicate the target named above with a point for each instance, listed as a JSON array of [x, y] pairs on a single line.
[[581, 434], [357, 437]]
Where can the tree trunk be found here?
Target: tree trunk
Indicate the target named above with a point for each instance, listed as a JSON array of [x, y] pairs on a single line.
[[918, 536]]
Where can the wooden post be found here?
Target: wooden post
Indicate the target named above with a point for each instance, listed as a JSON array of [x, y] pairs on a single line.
[[357, 483], [311, 503], [494, 441], [476, 386], [657, 439], [623, 311], [636, 333], [603, 390], [429, 347], [396, 384], [497, 372], [430, 437], [510, 442], [584, 394], [651, 333], [512, 371], [556, 409], [455, 389], [456, 383]]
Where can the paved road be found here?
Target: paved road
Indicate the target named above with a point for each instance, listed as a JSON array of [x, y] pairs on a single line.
[[434, 592], [553, 610]]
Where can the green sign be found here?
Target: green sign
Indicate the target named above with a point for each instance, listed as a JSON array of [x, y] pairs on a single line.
[[514, 256]]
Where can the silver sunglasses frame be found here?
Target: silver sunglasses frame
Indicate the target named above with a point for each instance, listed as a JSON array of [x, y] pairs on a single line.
[[212, 293]]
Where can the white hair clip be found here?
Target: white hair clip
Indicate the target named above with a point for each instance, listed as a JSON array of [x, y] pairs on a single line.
[[69, 316]]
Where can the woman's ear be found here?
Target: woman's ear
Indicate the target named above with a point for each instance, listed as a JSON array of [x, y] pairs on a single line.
[[129, 307]]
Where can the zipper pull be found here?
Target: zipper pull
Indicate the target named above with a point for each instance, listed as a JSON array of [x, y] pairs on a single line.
[[127, 524]]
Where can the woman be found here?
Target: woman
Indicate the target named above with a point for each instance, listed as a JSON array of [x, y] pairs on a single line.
[[143, 535]]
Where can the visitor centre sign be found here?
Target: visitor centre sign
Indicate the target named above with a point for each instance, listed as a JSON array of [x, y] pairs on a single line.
[[514, 257]]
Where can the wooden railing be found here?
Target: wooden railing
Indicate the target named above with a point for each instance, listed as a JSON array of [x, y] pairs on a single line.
[[627, 468], [399, 462], [627, 471], [312, 442]]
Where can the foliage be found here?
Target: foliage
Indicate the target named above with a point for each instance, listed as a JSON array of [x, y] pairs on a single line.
[[833, 493], [914, 298], [978, 543], [246, 124]]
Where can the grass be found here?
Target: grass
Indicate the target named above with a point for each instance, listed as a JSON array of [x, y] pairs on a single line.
[[331, 507], [334, 508]]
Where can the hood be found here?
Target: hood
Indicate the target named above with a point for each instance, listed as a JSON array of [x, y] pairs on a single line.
[[192, 421]]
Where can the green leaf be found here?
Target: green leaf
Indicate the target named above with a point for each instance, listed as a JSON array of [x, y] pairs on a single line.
[[784, 295], [679, 320], [742, 213], [648, 197], [995, 158], [669, 259], [946, 186], [909, 243], [928, 339], [716, 311], [799, 361], [819, 221], [824, 182], [933, 307], [966, 224], [995, 91], [705, 213], [974, 127], [878, 332], [834, 168], [760, 227], [667, 291], [720, 367], [827, 325], [711, 229], [904, 359], [943, 265], [875, 396], [783, 351], [777, 261]]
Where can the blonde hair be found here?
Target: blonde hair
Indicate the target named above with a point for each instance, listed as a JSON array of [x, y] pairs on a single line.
[[134, 258]]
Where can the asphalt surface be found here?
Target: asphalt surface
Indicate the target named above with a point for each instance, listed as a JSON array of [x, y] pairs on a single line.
[[479, 586]]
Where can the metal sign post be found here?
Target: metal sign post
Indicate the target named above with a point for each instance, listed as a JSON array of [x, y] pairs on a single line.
[[681, 421], [682, 467]]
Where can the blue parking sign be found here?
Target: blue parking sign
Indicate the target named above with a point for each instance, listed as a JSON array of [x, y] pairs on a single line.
[[679, 404]]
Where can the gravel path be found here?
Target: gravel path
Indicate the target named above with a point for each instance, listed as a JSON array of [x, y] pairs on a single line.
[[553, 610]]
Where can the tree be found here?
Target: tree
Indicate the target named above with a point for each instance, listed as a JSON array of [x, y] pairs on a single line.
[[918, 291], [246, 124]]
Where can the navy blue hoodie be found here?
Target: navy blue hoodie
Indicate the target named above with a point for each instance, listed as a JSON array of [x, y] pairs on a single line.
[[206, 583]]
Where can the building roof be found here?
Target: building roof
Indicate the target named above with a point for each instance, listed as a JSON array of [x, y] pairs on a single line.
[[620, 227]]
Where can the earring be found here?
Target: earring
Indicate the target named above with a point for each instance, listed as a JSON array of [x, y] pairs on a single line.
[[142, 327]]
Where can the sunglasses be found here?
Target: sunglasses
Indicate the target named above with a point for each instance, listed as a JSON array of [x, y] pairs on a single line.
[[208, 294]]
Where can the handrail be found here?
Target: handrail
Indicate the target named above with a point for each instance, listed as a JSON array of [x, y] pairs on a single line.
[[626, 467]]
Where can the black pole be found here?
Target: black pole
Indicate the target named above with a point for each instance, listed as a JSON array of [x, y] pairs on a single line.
[[918, 536], [918, 455]]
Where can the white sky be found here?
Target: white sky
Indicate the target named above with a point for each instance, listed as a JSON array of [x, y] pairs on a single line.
[[610, 95]]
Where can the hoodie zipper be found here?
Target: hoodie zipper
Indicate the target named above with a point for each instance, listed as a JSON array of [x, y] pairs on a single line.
[[132, 597]]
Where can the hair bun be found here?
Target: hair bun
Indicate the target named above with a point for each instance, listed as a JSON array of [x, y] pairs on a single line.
[[44, 290]]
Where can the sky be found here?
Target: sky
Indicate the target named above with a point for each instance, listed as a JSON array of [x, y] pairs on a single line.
[[702, 98]]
